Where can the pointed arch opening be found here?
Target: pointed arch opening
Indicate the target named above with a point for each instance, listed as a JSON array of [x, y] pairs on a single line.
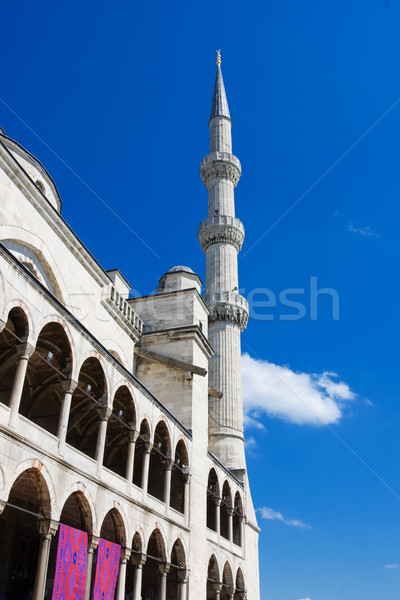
[[179, 474], [160, 453], [177, 571], [156, 557], [87, 400], [140, 447], [213, 496], [237, 519], [131, 567], [48, 368], [227, 582], [213, 578], [240, 591], [120, 424], [28, 503], [113, 528], [225, 511]]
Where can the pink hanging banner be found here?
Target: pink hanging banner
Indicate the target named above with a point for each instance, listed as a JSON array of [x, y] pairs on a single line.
[[70, 576], [106, 570]]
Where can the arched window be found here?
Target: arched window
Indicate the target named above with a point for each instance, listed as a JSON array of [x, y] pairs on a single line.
[[213, 578], [240, 591], [140, 447], [87, 400], [237, 520], [156, 556], [28, 503], [227, 582], [48, 368], [159, 456], [120, 424], [180, 470], [213, 496], [226, 508], [177, 570]]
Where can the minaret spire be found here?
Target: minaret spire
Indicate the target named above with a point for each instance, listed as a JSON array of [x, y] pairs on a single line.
[[219, 105], [221, 236]]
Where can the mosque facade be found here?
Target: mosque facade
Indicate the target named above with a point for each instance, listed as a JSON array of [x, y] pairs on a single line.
[[122, 466]]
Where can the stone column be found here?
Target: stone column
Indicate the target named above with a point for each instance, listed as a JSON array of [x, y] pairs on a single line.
[[169, 463], [47, 529], [104, 415], [138, 562], [133, 436], [242, 531], [24, 351], [125, 556], [217, 589], [217, 514], [229, 510], [230, 592], [68, 387], [93, 542], [164, 569], [146, 465], [186, 498], [182, 584]]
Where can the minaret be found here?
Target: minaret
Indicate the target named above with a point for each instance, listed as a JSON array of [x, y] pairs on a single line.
[[221, 236]]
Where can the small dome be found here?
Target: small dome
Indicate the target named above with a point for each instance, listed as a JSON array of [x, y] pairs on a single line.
[[181, 268]]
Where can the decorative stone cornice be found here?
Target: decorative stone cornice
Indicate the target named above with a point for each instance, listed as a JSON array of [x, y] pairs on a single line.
[[228, 306], [221, 229], [220, 165]]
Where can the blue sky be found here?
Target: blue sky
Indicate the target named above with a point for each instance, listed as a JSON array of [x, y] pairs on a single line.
[[121, 93]]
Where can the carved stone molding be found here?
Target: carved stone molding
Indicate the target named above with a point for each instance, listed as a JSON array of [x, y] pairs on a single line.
[[221, 229], [220, 165], [228, 306]]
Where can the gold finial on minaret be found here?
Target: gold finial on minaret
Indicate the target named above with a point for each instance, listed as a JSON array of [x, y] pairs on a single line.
[[218, 57]]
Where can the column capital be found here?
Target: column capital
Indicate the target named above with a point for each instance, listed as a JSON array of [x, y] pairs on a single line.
[[133, 433], [217, 587], [69, 385], [125, 554], [93, 542], [230, 511], [47, 527], [168, 463], [217, 501], [148, 447], [138, 559], [25, 350], [164, 568], [183, 575], [104, 413]]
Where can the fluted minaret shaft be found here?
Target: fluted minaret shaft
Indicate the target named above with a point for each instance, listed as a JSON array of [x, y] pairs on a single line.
[[221, 236]]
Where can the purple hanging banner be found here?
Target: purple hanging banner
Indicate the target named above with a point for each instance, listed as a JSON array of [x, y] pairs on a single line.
[[106, 570], [70, 576]]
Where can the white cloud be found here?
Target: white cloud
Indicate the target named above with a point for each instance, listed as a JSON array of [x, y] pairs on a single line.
[[305, 598], [364, 231], [272, 515], [301, 398], [391, 566], [250, 445]]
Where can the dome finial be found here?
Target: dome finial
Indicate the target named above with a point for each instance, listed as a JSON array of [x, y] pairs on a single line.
[[218, 57]]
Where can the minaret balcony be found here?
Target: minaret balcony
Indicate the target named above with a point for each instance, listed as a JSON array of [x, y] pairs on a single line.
[[221, 229], [221, 165], [227, 306]]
